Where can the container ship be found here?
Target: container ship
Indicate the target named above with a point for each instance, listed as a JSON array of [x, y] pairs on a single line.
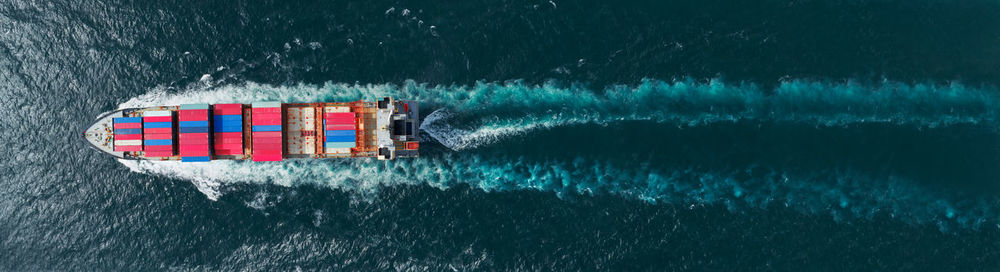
[[262, 131]]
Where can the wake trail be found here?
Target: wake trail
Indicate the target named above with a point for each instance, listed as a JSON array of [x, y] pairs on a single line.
[[464, 118], [842, 194]]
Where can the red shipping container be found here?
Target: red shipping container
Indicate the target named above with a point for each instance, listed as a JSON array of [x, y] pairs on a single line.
[[261, 157], [228, 152], [184, 136], [266, 134], [159, 153], [229, 135], [157, 130], [275, 153], [333, 115], [339, 121], [194, 147], [228, 140], [256, 117], [193, 118], [229, 146], [266, 116], [189, 113], [256, 120], [159, 148], [194, 153], [128, 136], [150, 119], [263, 146], [266, 146], [340, 127], [236, 111], [218, 148], [159, 136], [194, 141], [412, 145], [266, 122], [267, 151], [128, 148], [265, 110], [267, 140], [127, 125], [228, 106], [192, 112], [233, 140]]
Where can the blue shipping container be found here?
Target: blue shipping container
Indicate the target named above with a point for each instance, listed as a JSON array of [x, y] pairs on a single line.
[[193, 130], [159, 142], [195, 159], [219, 128], [340, 138], [128, 131], [193, 124], [340, 132], [157, 125], [219, 118], [267, 128], [127, 120]]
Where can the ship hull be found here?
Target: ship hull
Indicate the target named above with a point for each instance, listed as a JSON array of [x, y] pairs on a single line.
[[262, 131]]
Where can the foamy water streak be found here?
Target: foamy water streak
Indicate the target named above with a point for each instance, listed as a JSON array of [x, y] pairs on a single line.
[[838, 193]]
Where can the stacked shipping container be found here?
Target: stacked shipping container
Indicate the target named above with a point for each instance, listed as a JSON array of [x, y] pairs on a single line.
[[300, 130], [340, 131], [228, 127], [128, 134], [266, 137], [158, 133], [193, 132]]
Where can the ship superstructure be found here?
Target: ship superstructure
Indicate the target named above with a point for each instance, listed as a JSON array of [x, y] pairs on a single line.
[[260, 131]]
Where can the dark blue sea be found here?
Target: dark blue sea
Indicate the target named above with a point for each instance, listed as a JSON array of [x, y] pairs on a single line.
[[670, 135]]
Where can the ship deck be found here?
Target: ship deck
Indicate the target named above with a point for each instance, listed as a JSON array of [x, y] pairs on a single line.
[[302, 132]]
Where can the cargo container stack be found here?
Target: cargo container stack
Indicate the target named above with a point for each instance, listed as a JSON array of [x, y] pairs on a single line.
[[128, 134], [193, 132], [228, 127], [158, 133], [266, 137], [340, 131]]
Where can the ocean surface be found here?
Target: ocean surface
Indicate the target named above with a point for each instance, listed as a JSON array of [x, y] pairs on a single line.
[[715, 135]]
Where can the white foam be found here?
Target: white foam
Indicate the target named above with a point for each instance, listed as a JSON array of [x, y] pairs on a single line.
[[473, 116], [438, 126]]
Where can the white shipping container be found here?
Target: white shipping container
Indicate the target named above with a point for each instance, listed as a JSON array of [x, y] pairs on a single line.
[[336, 109], [338, 150], [128, 142], [156, 113]]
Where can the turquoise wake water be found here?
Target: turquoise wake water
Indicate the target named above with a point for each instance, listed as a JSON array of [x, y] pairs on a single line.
[[476, 123]]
